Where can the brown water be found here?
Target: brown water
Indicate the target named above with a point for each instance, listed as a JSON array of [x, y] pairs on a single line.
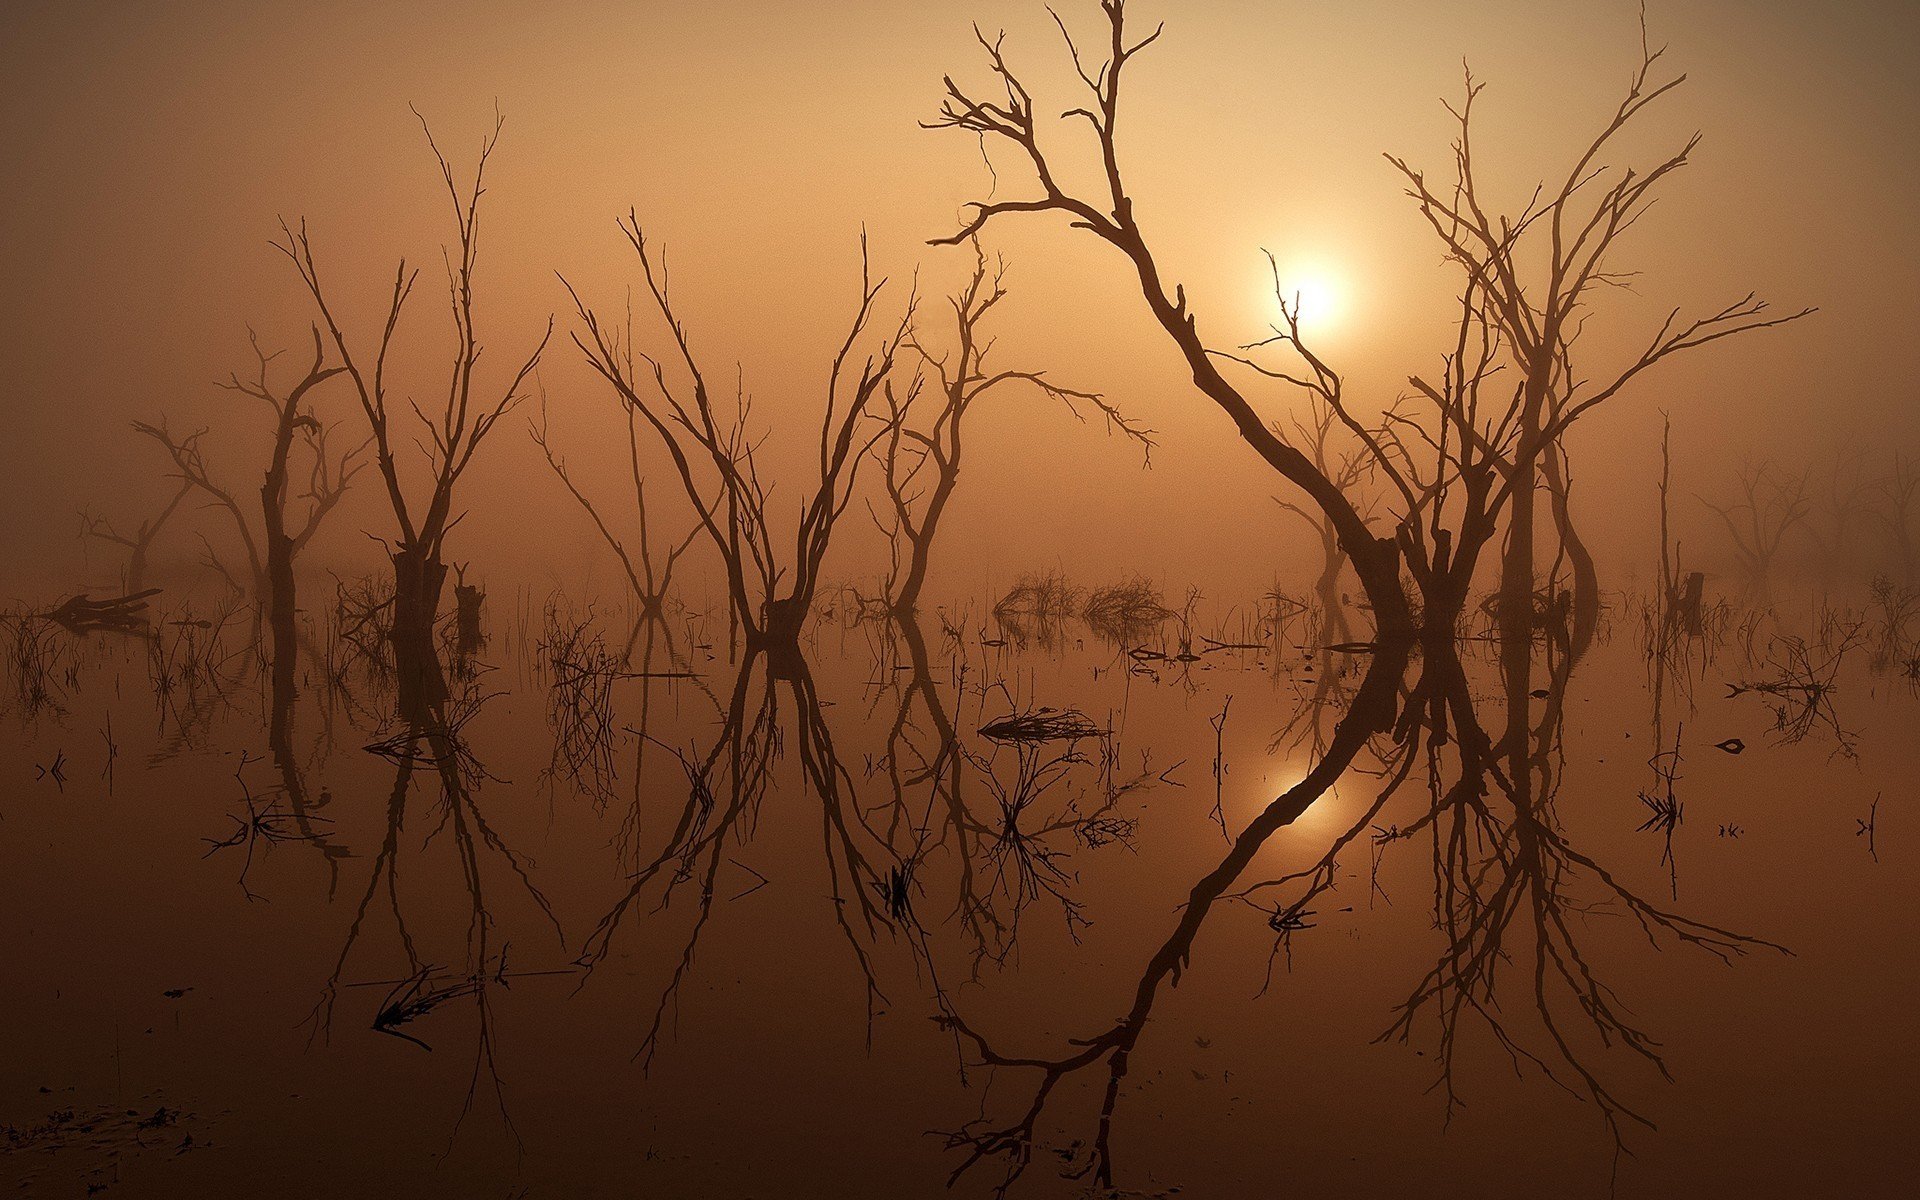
[[515, 948]]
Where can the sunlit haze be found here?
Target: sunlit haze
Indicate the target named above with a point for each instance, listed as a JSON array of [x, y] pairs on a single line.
[[1005, 599]]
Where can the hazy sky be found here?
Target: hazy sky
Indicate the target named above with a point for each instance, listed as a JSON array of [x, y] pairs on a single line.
[[150, 148]]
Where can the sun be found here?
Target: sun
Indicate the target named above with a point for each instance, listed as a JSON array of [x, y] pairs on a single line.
[[1316, 291]]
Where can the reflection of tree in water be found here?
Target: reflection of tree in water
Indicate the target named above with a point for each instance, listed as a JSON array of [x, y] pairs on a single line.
[[1512, 895], [580, 672], [1798, 680], [1013, 1143], [1033, 820], [432, 740], [725, 787], [1512, 890]]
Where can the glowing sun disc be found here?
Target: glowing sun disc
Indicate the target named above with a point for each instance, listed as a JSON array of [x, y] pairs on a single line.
[[1315, 295]]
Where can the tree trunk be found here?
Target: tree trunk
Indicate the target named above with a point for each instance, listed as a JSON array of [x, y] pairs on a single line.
[[779, 636], [1586, 578], [281, 604], [1516, 564], [417, 580], [906, 598], [1335, 629], [469, 635]]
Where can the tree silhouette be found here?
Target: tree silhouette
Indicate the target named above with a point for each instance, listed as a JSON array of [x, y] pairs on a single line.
[[1108, 213], [713, 452], [1771, 505], [278, 540], [921, 457], [454, 435]]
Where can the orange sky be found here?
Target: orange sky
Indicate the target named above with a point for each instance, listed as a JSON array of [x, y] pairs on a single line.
[[150, 149]]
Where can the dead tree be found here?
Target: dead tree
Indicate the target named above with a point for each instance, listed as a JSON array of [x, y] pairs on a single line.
[[713, 452], [1771, 505], [467, 415], [118, 614], [1531, 277], [1108, 213], [139, 543], [1843, 504], [1320, 433], [921, 458], [1893, 503], [647, 582], [271, 550], [1681, 606]]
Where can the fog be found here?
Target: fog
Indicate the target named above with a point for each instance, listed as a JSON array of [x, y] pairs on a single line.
[[154, 151]]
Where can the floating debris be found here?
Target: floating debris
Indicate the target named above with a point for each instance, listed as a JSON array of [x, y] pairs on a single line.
[[1042, 725]]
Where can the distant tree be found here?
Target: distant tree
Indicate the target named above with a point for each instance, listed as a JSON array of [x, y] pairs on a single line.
[[139, 543], [648, 581], [921, 455], [272, 548], [1893, 504], [1770, 504]]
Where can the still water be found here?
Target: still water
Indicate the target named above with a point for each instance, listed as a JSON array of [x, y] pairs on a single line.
[[1188, 904]]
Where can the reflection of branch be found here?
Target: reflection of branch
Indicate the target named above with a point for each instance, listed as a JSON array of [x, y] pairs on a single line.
[[725, 786], [1664, 809], [265, 825], [1801, 687]]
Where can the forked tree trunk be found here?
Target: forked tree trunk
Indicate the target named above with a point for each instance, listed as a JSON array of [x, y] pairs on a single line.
[[906, 597]]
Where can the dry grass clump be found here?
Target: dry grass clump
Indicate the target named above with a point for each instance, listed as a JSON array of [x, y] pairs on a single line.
[[1124, 613], [581, 673], [38, 662], [1047, 597]]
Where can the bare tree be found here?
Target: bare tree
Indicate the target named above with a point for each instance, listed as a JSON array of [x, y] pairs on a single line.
[[921, 458], [713, 452], [465, 419], [1843, 503], [1771, 505], [1349, 462], [647, 581], [1530, 282], [139, 543], [1108, 213], [271, 550], [1893, 503]]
